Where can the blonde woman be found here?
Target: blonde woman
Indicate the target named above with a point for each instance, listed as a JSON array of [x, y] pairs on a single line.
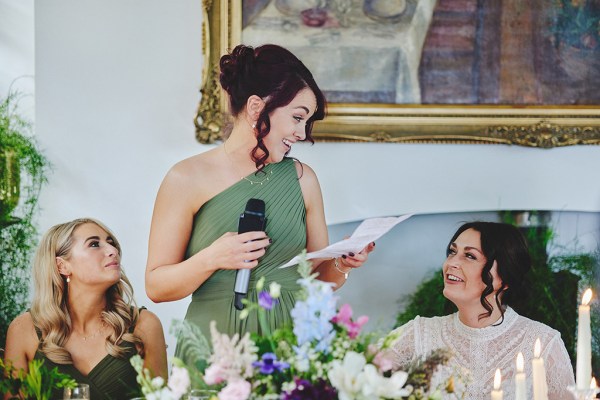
[[83, 318]]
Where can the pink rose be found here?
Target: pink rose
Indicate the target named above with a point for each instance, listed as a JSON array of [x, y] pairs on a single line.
[[238, 389], [214, 374]]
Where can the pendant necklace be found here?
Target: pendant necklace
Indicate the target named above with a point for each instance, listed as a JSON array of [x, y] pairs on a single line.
[[245, 178]]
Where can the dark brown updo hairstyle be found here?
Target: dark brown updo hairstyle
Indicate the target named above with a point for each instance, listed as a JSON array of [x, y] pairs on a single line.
[[506, 245], [275, 75]]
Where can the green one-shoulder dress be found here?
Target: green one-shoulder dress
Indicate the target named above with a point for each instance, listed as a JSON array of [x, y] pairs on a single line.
[[286, 226]]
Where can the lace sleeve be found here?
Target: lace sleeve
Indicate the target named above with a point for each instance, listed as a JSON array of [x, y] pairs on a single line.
[[404, 347], [559, 371]]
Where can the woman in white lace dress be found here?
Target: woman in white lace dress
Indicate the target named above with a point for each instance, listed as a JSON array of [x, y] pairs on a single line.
[[484, 270]]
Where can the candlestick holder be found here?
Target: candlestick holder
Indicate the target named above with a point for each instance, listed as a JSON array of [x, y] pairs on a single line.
[[583, 394]]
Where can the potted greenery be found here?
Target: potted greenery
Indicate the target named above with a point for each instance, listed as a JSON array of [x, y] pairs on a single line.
[[22, 172]]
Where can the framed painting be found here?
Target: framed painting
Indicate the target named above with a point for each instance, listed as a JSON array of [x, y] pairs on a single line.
[[435, 71]]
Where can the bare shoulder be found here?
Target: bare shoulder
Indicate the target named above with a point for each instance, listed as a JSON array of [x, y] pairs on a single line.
[[191, 169], [21, 338], [309, 184], [147, 323], [191, 181], [23, 326], [306, 174]]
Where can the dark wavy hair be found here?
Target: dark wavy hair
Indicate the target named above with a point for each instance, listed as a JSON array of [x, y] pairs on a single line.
[[275, 75], [506, 245]]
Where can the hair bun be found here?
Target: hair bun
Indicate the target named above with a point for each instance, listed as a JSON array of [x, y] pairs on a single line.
[[236, 69]]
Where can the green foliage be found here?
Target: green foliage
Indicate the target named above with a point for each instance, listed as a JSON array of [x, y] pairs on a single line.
[[192, 342], [427, 300], [555, 285], [39, 383], [18, 237]]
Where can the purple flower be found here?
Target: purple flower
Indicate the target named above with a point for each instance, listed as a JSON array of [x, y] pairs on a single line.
[[269, 364], [306, 390], [265, 300]]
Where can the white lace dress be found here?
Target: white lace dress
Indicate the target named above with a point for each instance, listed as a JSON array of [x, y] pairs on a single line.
[[477, 352]]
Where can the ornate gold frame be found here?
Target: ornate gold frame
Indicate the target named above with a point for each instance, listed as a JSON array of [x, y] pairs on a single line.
[[544, 127]]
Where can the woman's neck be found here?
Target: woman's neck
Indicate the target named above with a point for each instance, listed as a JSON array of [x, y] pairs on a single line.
[[470, 316], [85, 310]]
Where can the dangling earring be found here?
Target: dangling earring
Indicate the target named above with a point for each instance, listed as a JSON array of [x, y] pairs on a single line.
[[68, 278]]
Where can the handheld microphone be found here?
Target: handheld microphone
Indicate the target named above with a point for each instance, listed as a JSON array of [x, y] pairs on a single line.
[[252, 219]]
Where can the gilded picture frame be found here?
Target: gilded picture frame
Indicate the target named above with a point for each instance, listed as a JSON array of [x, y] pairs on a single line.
[[541, 125]]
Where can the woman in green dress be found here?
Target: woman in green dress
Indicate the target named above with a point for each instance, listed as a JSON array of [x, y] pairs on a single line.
[[83, 318], [194, 247]]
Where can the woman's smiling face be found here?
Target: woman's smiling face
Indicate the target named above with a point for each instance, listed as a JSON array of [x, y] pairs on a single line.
[[462, 270], [288, 124]]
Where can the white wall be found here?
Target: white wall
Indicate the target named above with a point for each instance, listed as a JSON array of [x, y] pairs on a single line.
[[116, 90], [17, 52]]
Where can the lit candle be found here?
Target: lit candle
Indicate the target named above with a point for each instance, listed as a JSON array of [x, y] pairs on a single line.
[[584, 343], [540, 388], [520, 385], [497, 393]]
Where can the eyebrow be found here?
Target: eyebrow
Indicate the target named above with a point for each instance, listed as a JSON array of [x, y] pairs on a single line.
[[108, 238], [467, 247], [304, 108]]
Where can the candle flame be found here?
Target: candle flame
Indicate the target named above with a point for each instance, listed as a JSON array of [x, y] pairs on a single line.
[[587, 296], [537, 348], [497, 379], [520, 362], [593, 384]]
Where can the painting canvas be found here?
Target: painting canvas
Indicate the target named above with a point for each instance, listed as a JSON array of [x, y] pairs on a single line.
[[439, 52], [493, 71]]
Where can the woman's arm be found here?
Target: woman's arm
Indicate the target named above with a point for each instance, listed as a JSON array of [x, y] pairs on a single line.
[[168, 276], [21, 342], [150, 331], [559, 372], [404, 348], [334, 270]]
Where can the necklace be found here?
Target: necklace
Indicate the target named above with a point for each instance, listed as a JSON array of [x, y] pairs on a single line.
[[245, 178], [93, 335]]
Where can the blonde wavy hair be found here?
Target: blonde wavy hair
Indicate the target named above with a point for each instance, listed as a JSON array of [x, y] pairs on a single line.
[[49, 308]]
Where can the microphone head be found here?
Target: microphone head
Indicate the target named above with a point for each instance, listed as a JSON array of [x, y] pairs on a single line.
[[255, 206]]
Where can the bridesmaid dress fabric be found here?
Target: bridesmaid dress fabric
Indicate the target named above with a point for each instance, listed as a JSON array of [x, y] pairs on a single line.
[[285, 226]]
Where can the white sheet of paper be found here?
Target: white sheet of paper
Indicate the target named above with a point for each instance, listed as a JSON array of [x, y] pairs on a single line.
[[368, 231]]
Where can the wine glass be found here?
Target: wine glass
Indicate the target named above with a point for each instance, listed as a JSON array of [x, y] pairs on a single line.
[[201, 394], [80, 391]]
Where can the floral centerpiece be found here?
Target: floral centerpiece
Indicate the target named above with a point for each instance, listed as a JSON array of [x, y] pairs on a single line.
[[322, 356]]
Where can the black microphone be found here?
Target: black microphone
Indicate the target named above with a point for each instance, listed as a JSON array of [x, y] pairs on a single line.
[[252, 219]]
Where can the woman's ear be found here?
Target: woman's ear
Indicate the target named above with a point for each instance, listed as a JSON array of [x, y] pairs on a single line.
[[254, 106], [62, 266]]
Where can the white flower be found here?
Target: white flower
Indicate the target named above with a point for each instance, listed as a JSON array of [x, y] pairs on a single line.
[[179, 381], [378, 386], [260, 284], [157, 382], [232, 357], [347, 376], [163, 394], [275, 290], [214, 374], [237, 389]]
